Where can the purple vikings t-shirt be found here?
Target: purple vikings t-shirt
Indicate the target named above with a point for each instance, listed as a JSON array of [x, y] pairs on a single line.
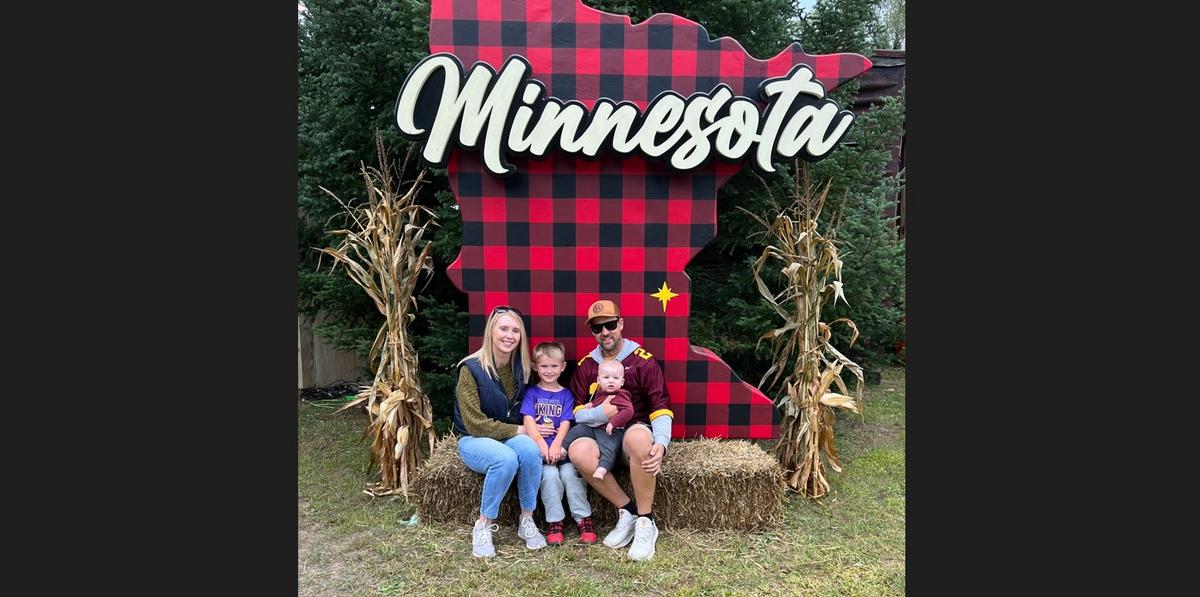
[[544, 405]]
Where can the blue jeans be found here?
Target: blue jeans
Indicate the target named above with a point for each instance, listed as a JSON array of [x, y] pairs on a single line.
[[499, 462]]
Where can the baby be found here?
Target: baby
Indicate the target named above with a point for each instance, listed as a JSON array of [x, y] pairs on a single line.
[[609, 379]]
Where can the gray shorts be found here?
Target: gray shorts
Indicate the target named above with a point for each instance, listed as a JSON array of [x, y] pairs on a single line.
[[598, 435]]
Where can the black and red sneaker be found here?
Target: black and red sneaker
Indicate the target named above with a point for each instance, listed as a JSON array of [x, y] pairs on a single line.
[[554, 536], [587, 531]]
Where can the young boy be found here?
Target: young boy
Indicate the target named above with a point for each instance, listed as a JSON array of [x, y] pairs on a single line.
[[610, 377], [548, 404]]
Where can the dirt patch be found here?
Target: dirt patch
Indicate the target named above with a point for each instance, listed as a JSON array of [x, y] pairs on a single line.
[[329, 564], [870, 435], [874, 434]]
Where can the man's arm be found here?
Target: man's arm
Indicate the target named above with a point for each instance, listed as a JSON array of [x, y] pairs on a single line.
[[592, 417], [661, 416], [580, 384], [623, 402]]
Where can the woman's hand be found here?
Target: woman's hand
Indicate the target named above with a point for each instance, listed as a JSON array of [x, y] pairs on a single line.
[[546, 429]]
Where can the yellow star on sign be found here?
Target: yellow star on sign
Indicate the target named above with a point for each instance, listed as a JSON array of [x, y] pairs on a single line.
[[664, 294]]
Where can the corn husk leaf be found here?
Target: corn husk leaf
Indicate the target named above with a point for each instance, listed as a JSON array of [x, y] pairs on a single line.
[[383, 251], [810, 271]]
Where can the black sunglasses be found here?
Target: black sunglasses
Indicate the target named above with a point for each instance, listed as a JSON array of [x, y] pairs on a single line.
[[505, 309], [608, 325]]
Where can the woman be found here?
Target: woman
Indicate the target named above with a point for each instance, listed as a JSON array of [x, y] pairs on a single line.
[[492, 441]]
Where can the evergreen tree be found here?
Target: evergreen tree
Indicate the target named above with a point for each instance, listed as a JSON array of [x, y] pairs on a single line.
[[874, 257], [353, 57], [891, 24]]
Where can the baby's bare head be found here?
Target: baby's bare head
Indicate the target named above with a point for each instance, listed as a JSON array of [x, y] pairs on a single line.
[[611, 375]]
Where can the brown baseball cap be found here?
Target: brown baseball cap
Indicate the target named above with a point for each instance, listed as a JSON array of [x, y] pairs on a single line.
[[602, 308]]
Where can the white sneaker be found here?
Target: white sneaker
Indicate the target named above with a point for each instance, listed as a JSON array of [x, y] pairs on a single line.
[[645, 534], [622, 534], [529, 532], [481, 539]]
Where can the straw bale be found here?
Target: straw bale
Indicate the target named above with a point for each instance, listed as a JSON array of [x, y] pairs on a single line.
[[704, 484]]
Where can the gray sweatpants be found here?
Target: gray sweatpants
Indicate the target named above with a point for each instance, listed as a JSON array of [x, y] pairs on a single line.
[[609, 444], [560, 478]]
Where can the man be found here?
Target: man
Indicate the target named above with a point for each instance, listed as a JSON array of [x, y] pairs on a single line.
[[646, 437]]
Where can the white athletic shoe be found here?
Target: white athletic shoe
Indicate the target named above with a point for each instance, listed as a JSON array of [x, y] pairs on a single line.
[[528, 531], [622, 534], [645, 534], [481, 539]]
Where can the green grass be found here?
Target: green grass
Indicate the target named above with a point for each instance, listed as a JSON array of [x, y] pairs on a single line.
[[851, 542]]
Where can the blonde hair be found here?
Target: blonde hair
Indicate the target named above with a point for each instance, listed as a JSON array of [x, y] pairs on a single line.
[[614, 365], [554, 350], [486, 353]]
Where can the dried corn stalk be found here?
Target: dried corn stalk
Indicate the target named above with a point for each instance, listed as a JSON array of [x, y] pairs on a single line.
[[812, 273], [385, 254]]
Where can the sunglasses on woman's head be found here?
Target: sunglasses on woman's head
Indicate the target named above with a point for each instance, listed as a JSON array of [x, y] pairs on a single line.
[[608, 325], [505, 309]]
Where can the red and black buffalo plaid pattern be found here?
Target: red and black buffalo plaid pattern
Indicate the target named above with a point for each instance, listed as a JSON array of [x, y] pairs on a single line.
[[562, 232]]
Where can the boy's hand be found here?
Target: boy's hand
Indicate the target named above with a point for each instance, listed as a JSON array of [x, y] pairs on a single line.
[[545, 450], [556, 455], [608, 428]]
